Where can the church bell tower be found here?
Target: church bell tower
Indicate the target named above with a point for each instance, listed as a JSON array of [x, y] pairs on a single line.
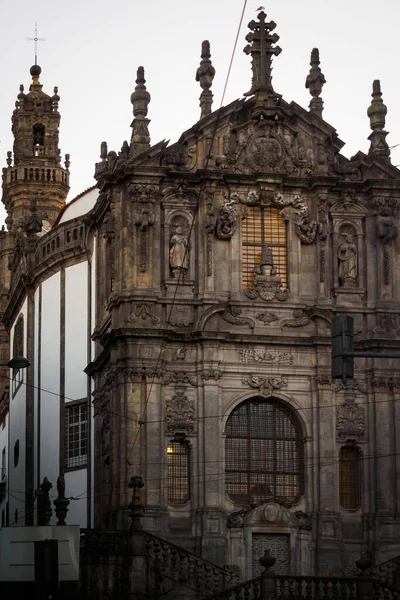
[[34, 179]]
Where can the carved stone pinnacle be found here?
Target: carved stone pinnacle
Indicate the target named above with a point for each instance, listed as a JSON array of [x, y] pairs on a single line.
[[314, 82], [205, 75], [377, 113]]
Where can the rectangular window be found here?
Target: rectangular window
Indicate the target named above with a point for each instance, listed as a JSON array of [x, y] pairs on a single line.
[[76, 436], [263, 227], [350, 477], [178, 486]]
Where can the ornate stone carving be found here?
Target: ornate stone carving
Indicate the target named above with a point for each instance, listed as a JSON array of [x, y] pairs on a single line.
[[180, 157], [179, 411], [261, 49], [388, 323], [143, 193], [350, 420], [265, 385], [386, 211], [266, 281], [347, 255], [234, 574], [179, 377], [181, 316], [143, 310], [302, 317], [386, 382], [306, 229], [314, 82], [265, 356], [147, 371], [143, 221], [232, 315], [267, 317], [350, 387], [303, 520], [226, 222], [205, 75], [264, 152], [211, 373], [324, 379], [179, 354], [179, 253]]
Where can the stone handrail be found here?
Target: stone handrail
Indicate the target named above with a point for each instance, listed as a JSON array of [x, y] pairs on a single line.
[[287, 587], [166, 560]]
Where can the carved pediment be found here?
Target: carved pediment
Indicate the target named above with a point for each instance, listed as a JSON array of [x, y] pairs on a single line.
[[270, 512]]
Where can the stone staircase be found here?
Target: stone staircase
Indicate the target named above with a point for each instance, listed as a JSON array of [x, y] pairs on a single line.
[[177, 573], [286, 587], [123, 564]]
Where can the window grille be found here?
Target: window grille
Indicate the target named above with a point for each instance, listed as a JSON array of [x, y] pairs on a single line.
[[263, 226], [263, 453], [350, 477], [178, 481], [77, 435]]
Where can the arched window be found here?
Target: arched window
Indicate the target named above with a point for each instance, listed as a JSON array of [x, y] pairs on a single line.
[[263, 226], [38, 139], [263, 452], [178, 471], [350, 477]]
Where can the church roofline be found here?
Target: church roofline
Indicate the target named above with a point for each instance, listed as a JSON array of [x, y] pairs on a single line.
[[65, 208]]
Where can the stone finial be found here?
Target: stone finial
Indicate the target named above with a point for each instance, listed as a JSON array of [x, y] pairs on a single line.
[[205, 75], [103, 150], [377, 113], [44, 506], [67, 161], [9, 158], [55, 99], [140, 99], [261, 49], [314, 82], [61, 502]]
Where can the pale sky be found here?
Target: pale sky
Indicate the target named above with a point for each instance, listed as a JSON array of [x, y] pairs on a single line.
[[93, 48]]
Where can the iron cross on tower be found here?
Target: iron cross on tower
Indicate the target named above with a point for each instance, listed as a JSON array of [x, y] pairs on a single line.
[[36, 39]]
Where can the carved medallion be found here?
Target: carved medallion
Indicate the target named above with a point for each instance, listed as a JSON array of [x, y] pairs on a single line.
[[179, 411], [264, 152], [350, 420]]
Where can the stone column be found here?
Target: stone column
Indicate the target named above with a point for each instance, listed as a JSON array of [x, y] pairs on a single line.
[[385, 483], [211, 516]]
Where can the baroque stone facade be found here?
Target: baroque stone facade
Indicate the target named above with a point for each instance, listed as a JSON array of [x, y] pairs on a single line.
[[220, 261]]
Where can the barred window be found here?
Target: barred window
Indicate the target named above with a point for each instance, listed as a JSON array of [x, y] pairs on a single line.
[[263, 452], [263, 226], [178, 480], [350, 477], [77, 435]]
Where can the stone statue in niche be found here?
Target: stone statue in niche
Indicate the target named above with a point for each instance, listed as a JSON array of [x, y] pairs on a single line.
[[347, 254], [179, 252]]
